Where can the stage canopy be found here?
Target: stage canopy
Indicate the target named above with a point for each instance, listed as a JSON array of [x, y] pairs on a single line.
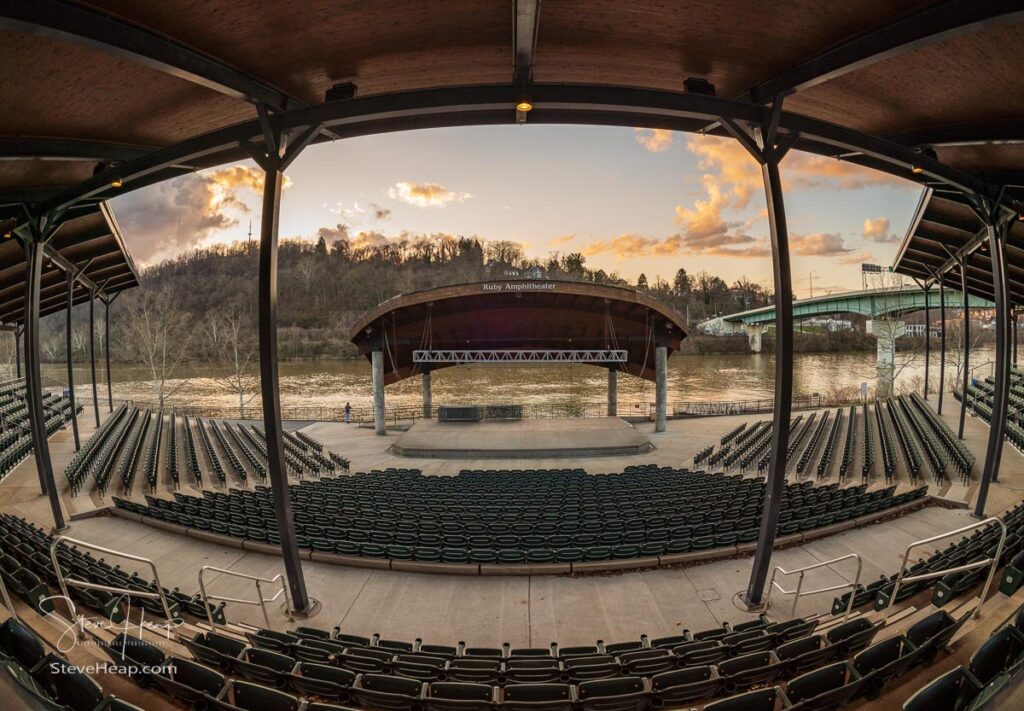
[[106, 97], [492, 318], [945, 230], [89, 243]]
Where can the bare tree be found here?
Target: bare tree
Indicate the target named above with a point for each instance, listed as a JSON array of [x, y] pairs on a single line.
[[238, 352], [158, 335], [8, 355]]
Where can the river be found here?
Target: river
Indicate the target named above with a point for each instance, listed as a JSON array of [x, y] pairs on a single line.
[[332, 383]]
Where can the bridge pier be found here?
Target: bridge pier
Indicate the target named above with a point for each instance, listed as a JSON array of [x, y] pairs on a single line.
[[661, 387], [428, 396], [886, 332], [377, 372], [613, 392], [754, 332]]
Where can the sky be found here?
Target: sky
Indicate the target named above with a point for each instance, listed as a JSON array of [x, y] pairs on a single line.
[[631, 200]]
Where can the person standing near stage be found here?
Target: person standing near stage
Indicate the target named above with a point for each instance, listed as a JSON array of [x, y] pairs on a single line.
[[348, 413]]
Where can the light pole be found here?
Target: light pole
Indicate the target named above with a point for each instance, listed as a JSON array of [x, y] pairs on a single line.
[[810, 283]]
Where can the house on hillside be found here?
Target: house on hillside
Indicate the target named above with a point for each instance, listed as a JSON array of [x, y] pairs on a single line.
[[496, 269]]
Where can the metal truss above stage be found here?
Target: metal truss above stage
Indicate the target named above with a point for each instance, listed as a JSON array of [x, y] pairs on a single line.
[[520, 356]]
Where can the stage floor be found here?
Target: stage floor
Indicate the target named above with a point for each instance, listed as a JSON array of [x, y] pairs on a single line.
[[566, 437]]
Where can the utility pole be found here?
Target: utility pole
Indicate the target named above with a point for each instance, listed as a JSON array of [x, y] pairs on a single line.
[[810, 282]]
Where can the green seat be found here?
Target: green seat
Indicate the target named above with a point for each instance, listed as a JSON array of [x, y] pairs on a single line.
[[511, 555], [569, 555], [454, 555], [702, 543]]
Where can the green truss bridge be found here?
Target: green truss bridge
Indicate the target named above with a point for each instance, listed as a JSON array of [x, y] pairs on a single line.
[[872, 303]]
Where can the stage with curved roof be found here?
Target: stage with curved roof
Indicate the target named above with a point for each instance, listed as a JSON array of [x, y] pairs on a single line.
[[543, 315]]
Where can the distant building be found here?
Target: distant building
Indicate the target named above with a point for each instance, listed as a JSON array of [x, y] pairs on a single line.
[[831, 324], [503, 270], [917, 330]]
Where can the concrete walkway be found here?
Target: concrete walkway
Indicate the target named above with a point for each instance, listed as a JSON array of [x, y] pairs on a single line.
[[522, 610]]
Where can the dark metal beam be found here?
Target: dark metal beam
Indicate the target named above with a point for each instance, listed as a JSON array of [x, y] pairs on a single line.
[[927, 336], [966, 334], [40, 148], [936, 23], [70, 359], [964, 134], [997, 231], [106, 353], [769, 155], [269, 381], [70, 22], [942, 339], [492, 104], [92, 354], [34, 379]]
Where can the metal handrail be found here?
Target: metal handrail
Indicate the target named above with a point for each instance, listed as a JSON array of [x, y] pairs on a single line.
[[6, 596], [262, 601], [800, 584], [993, 561], [64, 582]]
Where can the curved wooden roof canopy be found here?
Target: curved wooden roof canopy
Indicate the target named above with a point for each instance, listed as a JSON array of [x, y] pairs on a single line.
[[943, 232], [519, 315], [157, 89]]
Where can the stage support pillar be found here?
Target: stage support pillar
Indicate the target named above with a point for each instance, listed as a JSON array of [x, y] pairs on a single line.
[[998, 228], [661, 384], [966, 333], [70, 359], [613, 392], [377, 363], [428, 395], [942, 339], [769, 148]]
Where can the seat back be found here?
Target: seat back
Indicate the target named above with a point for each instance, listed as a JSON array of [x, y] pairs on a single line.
[[1001, 651], [768, 699], [953, 690], [684, 685], [18, 641]]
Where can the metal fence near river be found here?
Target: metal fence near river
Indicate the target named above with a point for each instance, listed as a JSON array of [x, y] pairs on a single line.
[[407, 415]]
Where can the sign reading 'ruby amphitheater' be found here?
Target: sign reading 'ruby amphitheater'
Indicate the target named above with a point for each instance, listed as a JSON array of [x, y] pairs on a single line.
[[518, 286]]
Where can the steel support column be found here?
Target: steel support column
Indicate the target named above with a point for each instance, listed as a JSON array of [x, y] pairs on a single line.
[[273, 156], [70, 359], [1014, 325], [661, 387], [613, 392], [942, 339], [276, 468], [377, 375], [966, 333], [33, 377], [17, 352], [927, 337], [997, 232], [769, 152], [428, 396], [92, 354], [106, 352]]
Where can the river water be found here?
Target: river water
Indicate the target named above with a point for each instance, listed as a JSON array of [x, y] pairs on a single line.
[[332, 383]]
